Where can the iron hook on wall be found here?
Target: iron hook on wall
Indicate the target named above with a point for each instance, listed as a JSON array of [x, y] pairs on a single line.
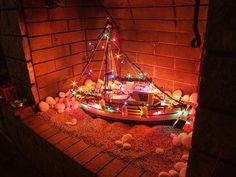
[[196, 41]]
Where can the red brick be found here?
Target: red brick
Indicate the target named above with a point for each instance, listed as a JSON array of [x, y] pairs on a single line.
[[77, 69], [49, 90], [185, 77], [141, 3], [167, 62], [148, 174], [93, 34], [126, 24], [69, 60], [179, 51], [113, 168], [69, 37], [99, 162], [36, 14], [40, 42], [43, 28], [74, 3], [154, 13], [48, 133], [66, 84], [98, 23], [65, 13], [131, 170], [155, 25], [50, 53], [54, 77], [115, 3], [76, 149], [57, 138], [186, 88], [188, 12], [76, 24], [66, 143], [143, 47], [189, 2], [120, 13], [164, 73], [187, 26], [164, 84], [78, 47], [87, 155], [187, 65], [44, 68], [95, 12], [146, 59]]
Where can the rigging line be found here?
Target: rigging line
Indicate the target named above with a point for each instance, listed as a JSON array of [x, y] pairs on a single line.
[[127, 58], [177, 101], [90, 58]]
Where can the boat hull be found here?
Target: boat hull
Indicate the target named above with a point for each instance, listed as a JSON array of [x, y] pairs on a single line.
[[169, 119]]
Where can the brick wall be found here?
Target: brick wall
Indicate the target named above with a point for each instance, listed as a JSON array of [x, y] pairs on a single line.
[[58, 40], [52, 43], [157, 35]]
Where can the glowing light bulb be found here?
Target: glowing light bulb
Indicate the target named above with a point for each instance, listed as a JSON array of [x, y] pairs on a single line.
[[90, 43], [122, 61], [129, 76], [117, 109], [73, 83], [117, 56], [114, 39], [103, 47], [90, 70]]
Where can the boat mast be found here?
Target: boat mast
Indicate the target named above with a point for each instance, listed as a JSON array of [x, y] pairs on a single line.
[[107, 34]]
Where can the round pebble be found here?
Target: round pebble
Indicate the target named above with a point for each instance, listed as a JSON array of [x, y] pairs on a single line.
[[164, 174], [173, 173], [126, 146], [119, 143], [159, 151]]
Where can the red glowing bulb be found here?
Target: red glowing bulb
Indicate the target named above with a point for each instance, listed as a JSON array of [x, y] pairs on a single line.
[[114, 39]]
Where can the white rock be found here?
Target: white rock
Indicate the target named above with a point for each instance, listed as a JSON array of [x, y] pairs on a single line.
[[67, 102], [119, 143], [43, 106], [187, 141], [185, 98], [177, 94], [74, 105], [182, 172], [173, 173], [61, 100], [192, 111], [172, 135], [193, 97], [68, 109], [60, 110], [60, 106], [179, 165], [181, 136], [126, 146], [88, 83], [50, 100], [176, 141], [159, 151], [164, 174], [62, 95], [126, 138], [185, 157], [57, 99], [72, 122]]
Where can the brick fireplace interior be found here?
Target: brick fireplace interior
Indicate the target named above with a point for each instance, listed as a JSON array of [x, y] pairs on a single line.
[[45, 49], [49, 45]]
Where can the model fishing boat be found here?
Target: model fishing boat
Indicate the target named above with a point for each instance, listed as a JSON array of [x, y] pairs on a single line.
[[132, 97]]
